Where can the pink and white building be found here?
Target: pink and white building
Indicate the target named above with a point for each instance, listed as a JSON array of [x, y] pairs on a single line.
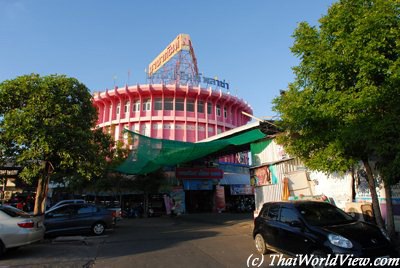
[[174, 112]]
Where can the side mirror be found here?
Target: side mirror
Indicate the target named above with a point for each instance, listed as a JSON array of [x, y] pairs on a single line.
[[352, 214]]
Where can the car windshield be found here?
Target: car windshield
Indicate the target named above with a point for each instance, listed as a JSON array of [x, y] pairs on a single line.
[[13, 212], [323, 214]]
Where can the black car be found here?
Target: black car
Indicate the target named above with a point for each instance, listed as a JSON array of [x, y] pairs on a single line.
[[318, 228], [78, 218]]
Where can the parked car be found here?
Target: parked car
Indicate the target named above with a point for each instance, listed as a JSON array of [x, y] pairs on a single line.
[[68, 201], [18, 228], [78, 218], [319, 228]]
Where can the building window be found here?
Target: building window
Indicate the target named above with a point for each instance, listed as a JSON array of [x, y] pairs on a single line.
[[147, 105], [218, 110], [168, 126], [225, 112], [125, 137], [179, 105], [168, 104], [200, 106], [136, 106], [209, 107], [158, 104], [126, 109], [118, 108], [146, 130], [190, 105]]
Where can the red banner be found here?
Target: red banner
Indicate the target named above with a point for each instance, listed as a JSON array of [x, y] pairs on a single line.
[[219, 198], [199, 173]]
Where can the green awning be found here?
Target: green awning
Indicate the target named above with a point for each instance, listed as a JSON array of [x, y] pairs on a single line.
[[149, 154]]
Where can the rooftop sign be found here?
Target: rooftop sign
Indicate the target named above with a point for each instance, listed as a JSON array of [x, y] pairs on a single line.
[[181, 42]]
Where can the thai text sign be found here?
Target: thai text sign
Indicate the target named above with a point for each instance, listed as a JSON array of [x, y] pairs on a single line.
[[9, 172], [197, 80], [199, 173], [181, 42], [198, 185]]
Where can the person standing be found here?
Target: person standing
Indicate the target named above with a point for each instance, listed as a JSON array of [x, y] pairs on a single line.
[[20, 205]]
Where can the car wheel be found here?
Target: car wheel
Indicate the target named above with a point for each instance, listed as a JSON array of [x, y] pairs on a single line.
[[318, 254], [98, 228], [2, 248], [260, 244]]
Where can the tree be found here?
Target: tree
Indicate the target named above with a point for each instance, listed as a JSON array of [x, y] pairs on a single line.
[[148, 184], [98, 163], [343, 105], [46, 124], [109, 179]]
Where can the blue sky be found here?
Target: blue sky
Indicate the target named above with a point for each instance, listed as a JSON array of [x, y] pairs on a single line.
[[244, 42]]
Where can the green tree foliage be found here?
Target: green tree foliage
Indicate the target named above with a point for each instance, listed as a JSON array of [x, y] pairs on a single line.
[[344, 104], [98, 166], [109, 180], [46, 126], [149, 184]]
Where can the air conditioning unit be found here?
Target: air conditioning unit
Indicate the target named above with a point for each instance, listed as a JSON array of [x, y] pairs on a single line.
[[361, 211]]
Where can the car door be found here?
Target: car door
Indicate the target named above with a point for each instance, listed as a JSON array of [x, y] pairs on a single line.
[[268, 225], [293, 237], [59, 219], [84, 216]]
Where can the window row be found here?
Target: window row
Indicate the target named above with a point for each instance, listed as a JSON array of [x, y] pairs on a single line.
[[168, 105]]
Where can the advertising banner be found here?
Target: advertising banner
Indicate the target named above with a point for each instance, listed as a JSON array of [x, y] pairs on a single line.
[[262, 175], [198, 184], [199, 173], [219, 198], [178, 200], [242, 189]]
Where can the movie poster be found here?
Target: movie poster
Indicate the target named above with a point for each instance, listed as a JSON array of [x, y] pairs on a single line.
[[220, 198]]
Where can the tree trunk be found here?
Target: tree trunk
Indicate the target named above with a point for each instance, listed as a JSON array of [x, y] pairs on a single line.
[[389, 212], [374, 195], [4, 190], [353, 185], [42, 189]]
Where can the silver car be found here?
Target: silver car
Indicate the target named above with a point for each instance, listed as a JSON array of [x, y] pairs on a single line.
[[18, 228]]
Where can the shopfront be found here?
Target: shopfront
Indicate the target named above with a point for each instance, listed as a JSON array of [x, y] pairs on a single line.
[[239, 194], [199, 185]]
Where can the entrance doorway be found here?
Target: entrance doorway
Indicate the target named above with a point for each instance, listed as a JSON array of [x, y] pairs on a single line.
[[199, 201]]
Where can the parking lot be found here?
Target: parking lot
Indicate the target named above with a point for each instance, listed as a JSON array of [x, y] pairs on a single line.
[[193, 240], [199, 240]]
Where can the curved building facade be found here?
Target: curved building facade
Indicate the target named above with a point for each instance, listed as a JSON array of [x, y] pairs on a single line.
[[174, 112]]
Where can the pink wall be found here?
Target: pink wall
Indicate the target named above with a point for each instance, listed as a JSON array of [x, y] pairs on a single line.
[[160, 119]]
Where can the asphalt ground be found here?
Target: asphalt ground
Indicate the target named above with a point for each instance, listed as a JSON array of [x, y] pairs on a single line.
[[195, 240], [190, 240]]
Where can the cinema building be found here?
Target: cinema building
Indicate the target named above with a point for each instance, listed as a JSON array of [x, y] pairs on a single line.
[[173, 112], [188, 110]]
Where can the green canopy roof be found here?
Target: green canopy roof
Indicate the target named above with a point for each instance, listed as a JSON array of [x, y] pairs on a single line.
[[150, 154]]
